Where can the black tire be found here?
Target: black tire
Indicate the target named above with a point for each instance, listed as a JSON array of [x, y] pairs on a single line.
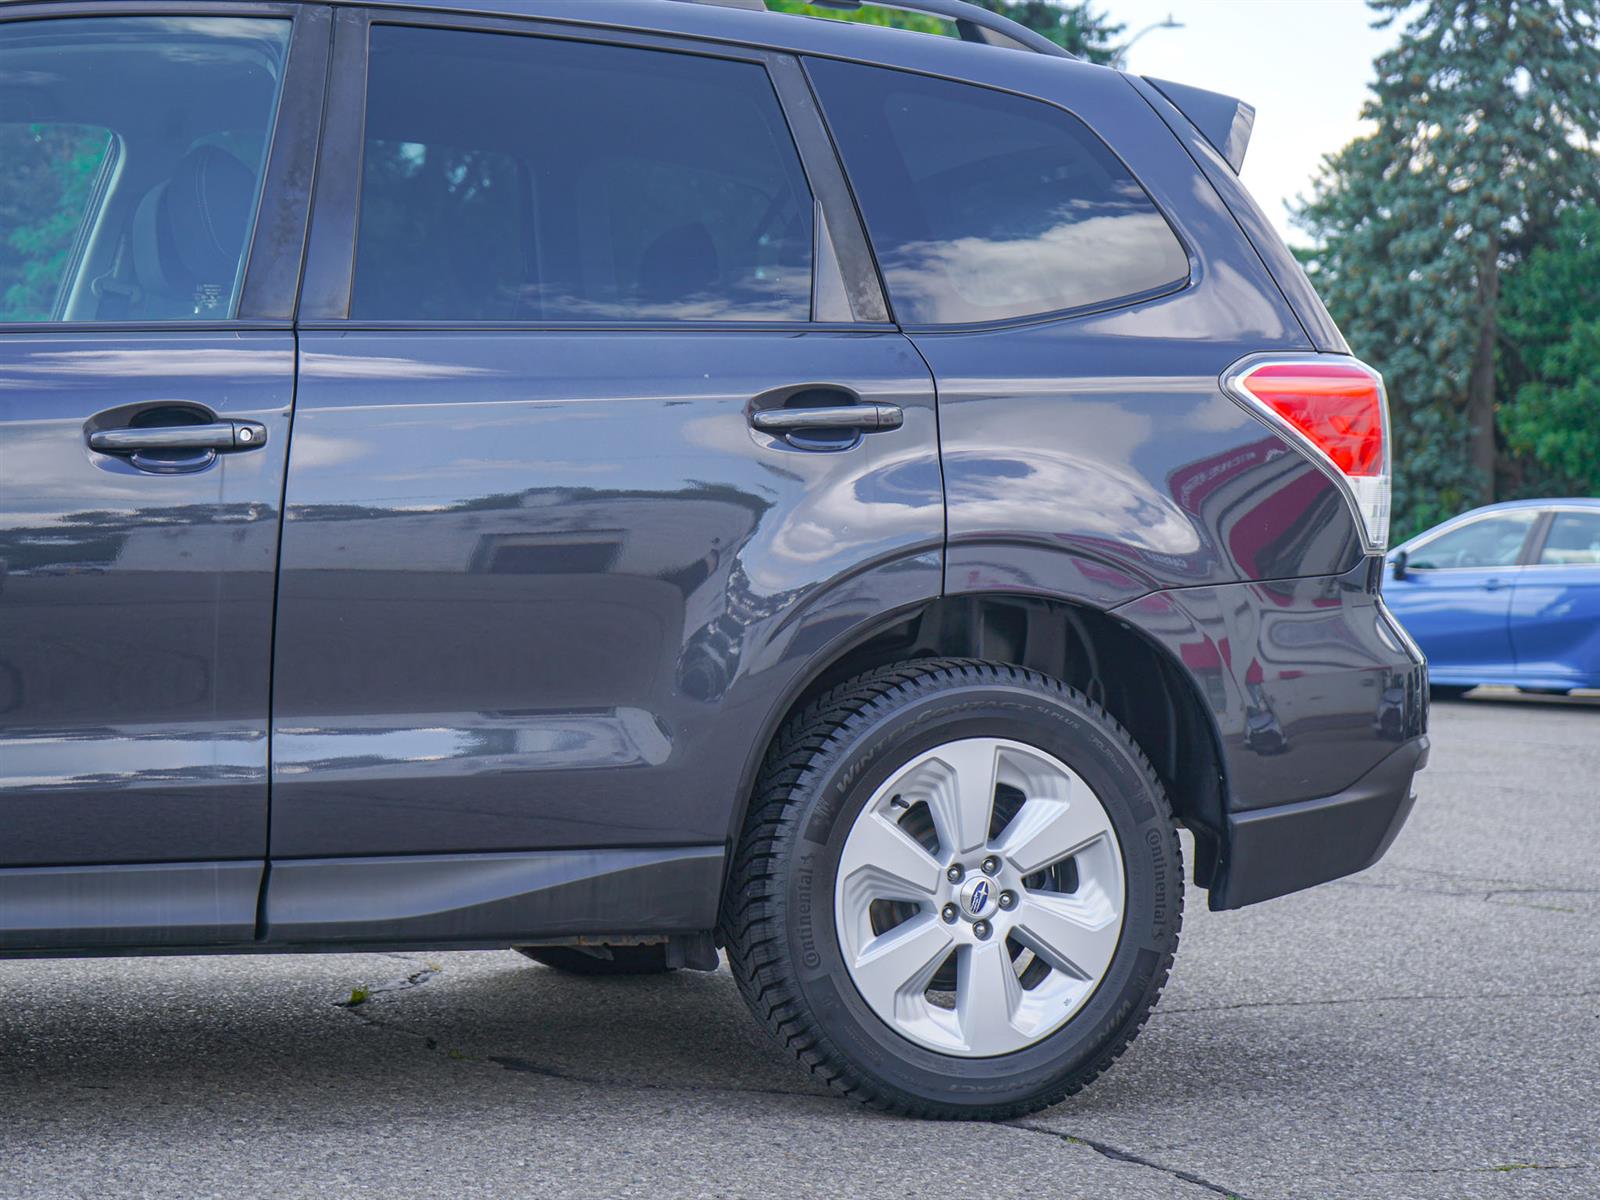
[[1449, 691], [778, 921], [602, 960]]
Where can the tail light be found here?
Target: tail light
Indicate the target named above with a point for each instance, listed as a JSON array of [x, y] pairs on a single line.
[[1335, 407]]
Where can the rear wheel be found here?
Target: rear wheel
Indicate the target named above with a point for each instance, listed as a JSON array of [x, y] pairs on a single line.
[[958, 891], [601, 960]]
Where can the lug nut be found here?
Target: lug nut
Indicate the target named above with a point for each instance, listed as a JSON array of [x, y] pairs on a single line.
[[981, 928], [1007, 900], [949, 913], [955, 873], [991, 865]]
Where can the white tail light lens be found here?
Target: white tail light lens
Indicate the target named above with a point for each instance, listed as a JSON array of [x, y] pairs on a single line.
[[1335, 407]]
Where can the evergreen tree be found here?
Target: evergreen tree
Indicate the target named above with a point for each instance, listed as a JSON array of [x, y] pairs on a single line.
[[1487, 115], [1077, 27], [49, 173], [1552, 361]]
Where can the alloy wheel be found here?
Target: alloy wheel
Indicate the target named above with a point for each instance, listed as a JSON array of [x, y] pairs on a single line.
[[979, 897]]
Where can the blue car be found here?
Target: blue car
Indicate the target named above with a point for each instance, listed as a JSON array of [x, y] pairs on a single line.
[[1508, 593]]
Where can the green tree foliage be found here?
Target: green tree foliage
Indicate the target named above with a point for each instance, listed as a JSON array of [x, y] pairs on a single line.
[[1074, 25], [49, 173], [870, 15], [1077, 27], [1486, 115], [1552, 366]]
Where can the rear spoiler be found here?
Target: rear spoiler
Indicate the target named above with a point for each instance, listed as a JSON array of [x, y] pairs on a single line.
[[1224, 121]]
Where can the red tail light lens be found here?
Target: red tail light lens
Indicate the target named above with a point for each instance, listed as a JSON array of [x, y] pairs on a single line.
[[1336, 407]]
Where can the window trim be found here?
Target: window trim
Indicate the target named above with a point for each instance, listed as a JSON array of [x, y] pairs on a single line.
[[819, 158], [269, 279], [106, 177], [1536, 526], [1131, 299], [330, 267], [276, 255], [1535, 550]]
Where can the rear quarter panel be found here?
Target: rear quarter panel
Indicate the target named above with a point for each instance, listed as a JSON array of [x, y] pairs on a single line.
[[1096, 456]]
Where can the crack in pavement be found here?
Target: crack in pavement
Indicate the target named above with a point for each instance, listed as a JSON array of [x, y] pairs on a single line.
[[1440, 871], [512, 1063], [1105, 1150], [1479, 893], [524, 1066], [360, 995], [1414, 997], [1499, 1169], [1522, 887], [519, 1065]]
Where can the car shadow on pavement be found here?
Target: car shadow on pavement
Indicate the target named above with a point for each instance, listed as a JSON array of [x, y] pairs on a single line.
[[281, 1034]]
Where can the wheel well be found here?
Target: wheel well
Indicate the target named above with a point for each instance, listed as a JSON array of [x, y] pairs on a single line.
[[1109, 661]]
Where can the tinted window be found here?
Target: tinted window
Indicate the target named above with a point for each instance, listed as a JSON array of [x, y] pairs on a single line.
[[983, 206], [133, 151], [1488, 542], [1574, 540], [530, 179]]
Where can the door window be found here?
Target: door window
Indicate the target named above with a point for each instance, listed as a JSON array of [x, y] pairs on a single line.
[[985, 206], [511, 178], [133, 150], [1487, 542], [1574, 540]]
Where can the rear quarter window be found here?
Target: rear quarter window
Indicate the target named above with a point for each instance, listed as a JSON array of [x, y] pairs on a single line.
[[984, 206]]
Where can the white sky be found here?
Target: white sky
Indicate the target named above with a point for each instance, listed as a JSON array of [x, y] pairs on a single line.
[[1304, 64]]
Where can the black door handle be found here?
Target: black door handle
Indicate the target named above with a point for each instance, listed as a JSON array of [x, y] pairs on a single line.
[[218, 435]]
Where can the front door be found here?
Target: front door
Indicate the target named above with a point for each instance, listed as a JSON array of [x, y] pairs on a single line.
[[555, 548], [1455, 596], [144, 417]]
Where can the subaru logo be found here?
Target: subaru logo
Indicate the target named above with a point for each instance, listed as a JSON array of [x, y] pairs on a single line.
[[979, 900]]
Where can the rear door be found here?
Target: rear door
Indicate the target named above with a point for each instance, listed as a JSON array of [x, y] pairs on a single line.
[[1555, 612], [146, 378], [551, 561]]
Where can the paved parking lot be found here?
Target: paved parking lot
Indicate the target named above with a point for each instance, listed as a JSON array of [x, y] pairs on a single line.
[[1430, 1028]]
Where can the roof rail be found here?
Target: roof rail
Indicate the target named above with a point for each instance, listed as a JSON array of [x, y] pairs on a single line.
[[973, 23]]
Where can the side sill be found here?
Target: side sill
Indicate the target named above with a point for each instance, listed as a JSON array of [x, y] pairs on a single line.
[[1273, 851], [452, 899], [153, 906]]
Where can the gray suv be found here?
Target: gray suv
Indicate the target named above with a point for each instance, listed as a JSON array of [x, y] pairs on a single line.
[[634, 478]]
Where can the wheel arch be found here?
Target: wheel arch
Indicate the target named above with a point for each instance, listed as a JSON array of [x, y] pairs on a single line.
[[1109, 660]]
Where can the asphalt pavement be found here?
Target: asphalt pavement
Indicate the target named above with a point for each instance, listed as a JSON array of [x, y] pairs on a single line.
[[1430, 1028]]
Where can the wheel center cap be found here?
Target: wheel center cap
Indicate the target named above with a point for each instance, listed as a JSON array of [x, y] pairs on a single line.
[[979, 897]]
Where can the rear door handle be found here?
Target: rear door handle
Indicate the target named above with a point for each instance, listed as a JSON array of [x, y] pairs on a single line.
[[218, 435], [868, 418]]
